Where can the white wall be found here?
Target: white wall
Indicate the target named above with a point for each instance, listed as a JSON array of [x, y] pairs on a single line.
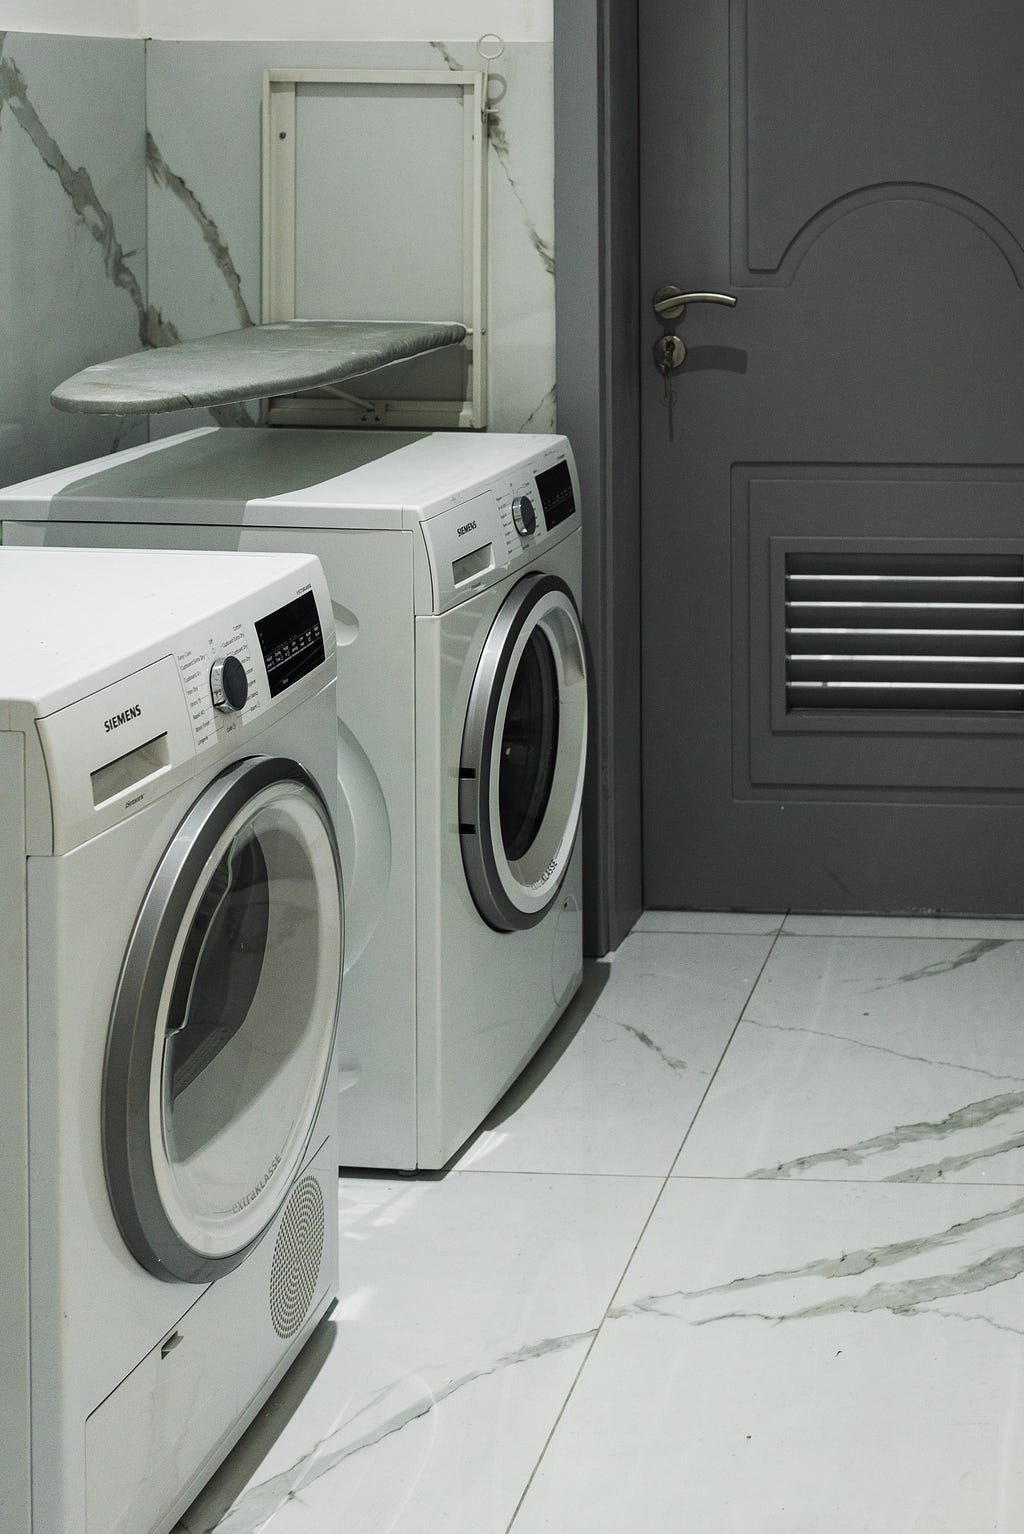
[[80, 18], [341, 20], [345, 20]]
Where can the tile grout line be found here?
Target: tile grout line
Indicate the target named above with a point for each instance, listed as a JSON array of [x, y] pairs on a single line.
[[509, 1527], [863, 937], [721, 1058]]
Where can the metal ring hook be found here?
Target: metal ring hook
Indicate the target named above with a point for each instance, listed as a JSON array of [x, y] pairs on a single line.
[[489, 54]]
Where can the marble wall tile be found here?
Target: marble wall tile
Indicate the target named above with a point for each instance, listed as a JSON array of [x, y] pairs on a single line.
[[204, 102], [72, 237]]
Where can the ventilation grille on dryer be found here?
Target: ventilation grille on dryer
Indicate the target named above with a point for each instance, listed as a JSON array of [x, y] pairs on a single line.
[[905, 632], [297, 1255]]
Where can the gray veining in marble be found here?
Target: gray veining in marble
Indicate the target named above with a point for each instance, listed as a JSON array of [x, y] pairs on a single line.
[[498, 138], [944, 966], [894, 1059], [166, 178], [972, 1116], [902, 1298], [265, 1498], [467, 1307], [542, 413], [882, 1049], [644, 1038], [77, 185], [72, 236]]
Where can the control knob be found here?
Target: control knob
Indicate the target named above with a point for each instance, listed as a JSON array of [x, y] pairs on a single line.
[[524, 515], [229, 685]]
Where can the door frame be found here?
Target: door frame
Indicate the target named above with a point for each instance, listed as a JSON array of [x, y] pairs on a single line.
[[598, 348]]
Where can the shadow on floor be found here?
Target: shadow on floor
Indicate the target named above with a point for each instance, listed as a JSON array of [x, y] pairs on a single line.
[[595, 977], [233, 1475], [596, 973]]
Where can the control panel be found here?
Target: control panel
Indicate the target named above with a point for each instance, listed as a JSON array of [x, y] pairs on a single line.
[[113, 750], [477, 541], [536, 505], [220, 679], [225, 656]]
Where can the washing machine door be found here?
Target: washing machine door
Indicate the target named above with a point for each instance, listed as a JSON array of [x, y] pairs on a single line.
[[523, 754], [222, 1030]]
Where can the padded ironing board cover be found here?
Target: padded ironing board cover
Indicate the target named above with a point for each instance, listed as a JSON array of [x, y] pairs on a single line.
[[253, 363]]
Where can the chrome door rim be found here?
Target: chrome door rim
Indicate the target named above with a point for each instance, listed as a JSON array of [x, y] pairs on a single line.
[[507, 899], [146, 978]]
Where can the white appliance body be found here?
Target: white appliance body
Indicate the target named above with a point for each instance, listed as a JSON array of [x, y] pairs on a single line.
[[455, 968], [165, 870]]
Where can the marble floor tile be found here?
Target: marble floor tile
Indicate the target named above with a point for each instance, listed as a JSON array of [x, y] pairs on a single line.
[[467, 1307], [709, 921], [799, 1359], [873, 1059], [615, 1088], [904, 926]]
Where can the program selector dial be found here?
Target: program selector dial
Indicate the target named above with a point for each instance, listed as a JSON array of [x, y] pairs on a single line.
[[229, 685], [524, 515]]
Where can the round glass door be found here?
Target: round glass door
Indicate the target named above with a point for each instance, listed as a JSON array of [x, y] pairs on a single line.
[[222, 1029], [523, 755]]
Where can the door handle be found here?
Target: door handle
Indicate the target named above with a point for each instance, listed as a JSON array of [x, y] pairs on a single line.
[[670, 302]]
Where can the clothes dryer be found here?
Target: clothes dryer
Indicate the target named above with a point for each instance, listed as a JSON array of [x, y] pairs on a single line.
[[453, 562], [170, 938]]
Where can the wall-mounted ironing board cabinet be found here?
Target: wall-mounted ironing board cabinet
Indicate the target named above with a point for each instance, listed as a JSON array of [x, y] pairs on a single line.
[[256, 363], [375, 202]]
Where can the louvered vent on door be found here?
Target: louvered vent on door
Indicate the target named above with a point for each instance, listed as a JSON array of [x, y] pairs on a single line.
[[900, 632]]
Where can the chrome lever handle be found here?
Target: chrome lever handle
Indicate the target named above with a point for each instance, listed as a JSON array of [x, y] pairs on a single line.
[[670, 302]]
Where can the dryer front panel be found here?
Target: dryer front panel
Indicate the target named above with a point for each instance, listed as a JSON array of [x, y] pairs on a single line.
[[222, 1031], [523, 755]]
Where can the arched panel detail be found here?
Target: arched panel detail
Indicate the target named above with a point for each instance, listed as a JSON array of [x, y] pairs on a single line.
[[956, 203], [840, 105]]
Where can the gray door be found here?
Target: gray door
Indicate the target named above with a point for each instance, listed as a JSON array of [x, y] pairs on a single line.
[[833, 520]]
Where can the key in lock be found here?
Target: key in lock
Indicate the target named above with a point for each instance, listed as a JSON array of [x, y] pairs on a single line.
[[669, 354]]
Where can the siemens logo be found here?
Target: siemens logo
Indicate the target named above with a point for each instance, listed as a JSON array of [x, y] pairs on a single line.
[[467, 527], [117, 720]]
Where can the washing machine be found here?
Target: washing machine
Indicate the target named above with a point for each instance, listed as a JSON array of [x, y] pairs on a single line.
[[453, 563], [170, 939]]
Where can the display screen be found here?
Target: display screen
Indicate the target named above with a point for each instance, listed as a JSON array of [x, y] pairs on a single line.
[[291, 641], [554, 487]]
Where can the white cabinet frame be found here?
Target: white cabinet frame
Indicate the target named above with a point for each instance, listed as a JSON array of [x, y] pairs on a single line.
[[279, 236]]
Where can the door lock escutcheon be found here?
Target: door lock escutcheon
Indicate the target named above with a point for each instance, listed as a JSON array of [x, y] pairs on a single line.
[[669, 354]]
